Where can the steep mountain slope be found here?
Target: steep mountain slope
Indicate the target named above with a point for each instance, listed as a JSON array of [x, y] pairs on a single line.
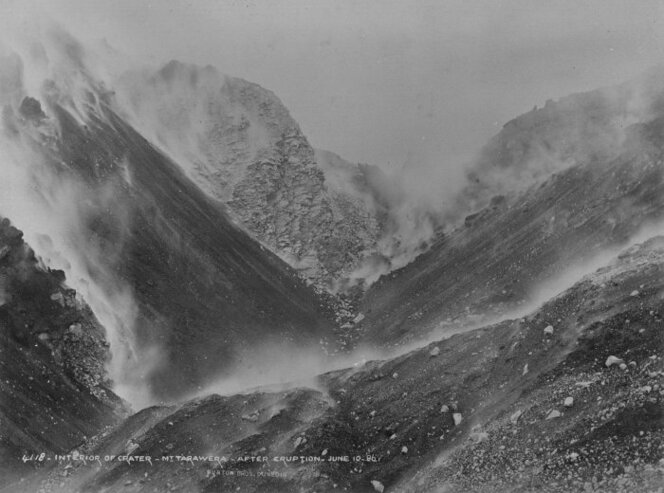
[[501, 256], [201, 295], [54, 390], [486, 410], [191, 304], [239, 143]]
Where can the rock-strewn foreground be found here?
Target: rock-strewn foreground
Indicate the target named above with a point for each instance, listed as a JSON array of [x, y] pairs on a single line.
[[54, 390], [568, 398]]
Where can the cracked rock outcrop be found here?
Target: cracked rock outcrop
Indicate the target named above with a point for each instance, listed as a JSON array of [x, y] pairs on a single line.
[[243, 148]]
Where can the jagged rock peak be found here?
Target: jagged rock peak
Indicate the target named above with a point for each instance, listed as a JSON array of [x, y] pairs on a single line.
[[239, 143]]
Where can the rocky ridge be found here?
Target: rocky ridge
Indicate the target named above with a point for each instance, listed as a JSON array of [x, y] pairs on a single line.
[[54, 389], [500, 257], [241, 146]]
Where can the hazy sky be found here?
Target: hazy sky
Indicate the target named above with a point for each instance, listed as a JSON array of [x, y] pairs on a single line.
[[423, 82]]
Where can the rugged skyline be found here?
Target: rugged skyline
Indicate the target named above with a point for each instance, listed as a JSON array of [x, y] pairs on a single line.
[[387, 83], [194, 296]]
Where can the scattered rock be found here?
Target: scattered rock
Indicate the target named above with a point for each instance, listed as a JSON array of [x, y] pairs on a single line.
[[634, 293], [76, 330], [300, 441], [31, 109], [378, 486], [569, 401], [131, 446], [458, 418], [445, 409], [613, 360], [252, 417], [525, 369], [435, 351], [4, 250], [59, 298], [548, 330], [404, 450], [514, 418], [553, 414]]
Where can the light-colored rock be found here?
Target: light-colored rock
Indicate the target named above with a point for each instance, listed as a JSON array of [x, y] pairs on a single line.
[[634, 293], [131, 447], [569, 401], [445, 409], [458, 418], [76, 330], [514, 418], [553, 414], [612, 360], [404, 450], [435, 351], [378, 486], [251, 417], [525, 369], [58, 298], [479, 436], [548, 330]]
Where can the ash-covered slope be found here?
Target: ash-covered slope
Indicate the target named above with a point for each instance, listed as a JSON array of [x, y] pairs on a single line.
[[54, 390], [185, 294], [565, 399], [239, 143], [576, 129], [524, 242]]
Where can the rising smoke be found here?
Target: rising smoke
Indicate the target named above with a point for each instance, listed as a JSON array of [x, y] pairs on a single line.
[[51, 205], [54, 207]]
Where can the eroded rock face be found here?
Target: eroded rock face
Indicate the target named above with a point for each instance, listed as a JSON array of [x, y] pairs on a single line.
[[242, 147], [54, 390]]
